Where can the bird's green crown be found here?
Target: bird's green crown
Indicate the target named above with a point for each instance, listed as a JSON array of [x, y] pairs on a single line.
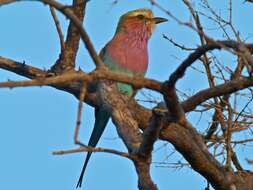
[[145, 13], [139, 14]]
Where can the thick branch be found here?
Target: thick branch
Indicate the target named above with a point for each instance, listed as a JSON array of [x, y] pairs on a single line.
[[151, 133], [22, 69], [186, 140], [185, 144], [67, 57], [43, 78], [174, 107], [223, 89], [141, 114], [127, 127], [191, 145], [180, 71], [144, 179]]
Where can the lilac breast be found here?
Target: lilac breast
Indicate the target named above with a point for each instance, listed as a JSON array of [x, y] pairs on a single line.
[[129, 52]]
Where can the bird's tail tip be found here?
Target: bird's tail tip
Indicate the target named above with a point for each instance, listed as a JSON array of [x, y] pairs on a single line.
[[79, 183]]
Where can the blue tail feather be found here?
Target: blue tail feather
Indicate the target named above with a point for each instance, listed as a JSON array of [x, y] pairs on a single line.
[[101, 119]]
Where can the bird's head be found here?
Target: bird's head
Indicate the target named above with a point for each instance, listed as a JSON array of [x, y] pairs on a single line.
[[140, 20]]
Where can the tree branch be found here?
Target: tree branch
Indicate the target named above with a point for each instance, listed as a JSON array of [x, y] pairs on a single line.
[[78, 24], [128, 116], [67, 56], [44, 78], [58, 27], [151, 133], [229, 87], [85, 148]]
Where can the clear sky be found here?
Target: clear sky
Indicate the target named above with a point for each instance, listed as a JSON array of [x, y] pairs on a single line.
[[38, 120]]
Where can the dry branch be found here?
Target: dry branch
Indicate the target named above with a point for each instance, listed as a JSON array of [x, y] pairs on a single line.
[[85, 148], [127, 115], [67, 58], [58, 27]]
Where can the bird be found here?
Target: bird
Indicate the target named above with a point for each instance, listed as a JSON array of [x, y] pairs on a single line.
[[125, 53]]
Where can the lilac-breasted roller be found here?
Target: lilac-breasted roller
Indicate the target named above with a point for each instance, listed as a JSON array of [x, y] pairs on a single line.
[[126, 53]]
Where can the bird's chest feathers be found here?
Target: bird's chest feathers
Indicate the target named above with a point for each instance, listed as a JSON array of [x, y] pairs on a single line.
[[129, 52]]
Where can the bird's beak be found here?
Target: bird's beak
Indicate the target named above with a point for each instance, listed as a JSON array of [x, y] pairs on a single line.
[[158, 20]]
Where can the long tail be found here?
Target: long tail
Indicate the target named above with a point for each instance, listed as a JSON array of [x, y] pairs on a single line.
[[101, 119]]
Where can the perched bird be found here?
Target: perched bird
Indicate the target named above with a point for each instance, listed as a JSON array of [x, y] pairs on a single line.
[[126, 53]]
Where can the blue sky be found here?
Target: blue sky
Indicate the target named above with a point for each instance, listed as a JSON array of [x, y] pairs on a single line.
[[38, 120]]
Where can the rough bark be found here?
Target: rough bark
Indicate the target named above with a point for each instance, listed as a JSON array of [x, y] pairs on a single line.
[[129, 117]]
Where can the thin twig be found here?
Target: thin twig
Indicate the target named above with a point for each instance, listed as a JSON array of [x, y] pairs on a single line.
[[69, 13], [177, 45], [79, 113], [249, 161], [228, 136], [84, 148], [58, 27]]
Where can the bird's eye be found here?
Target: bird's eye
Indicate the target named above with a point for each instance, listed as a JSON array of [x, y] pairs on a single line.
[[141, 17]]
